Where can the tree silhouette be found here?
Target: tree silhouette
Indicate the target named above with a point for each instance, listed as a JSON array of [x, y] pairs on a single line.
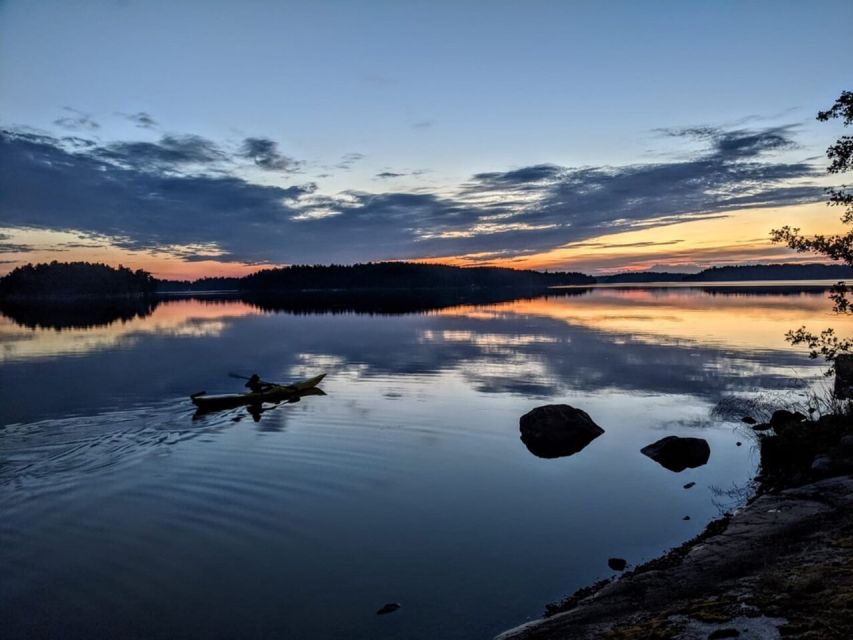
[[836, 247], [58, 279]]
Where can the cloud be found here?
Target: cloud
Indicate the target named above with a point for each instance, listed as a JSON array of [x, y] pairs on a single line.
[[141, 119], [423, 125], [181, 191], [12, 247], [264, 153], [76, 121], [621, 245], [519, 177], [733, 171], [387, 175], [739, 143], [349, 159], [172, 152]]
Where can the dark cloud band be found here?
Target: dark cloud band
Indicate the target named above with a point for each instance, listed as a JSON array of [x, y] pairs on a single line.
[[182, 190]]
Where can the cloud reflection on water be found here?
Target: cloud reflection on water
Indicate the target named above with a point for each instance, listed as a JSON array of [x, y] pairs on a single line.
[[679, 341]]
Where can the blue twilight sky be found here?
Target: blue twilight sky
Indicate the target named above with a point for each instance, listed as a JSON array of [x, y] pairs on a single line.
[[407, 118]]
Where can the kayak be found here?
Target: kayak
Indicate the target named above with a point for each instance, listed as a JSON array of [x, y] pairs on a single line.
[[276, 393]]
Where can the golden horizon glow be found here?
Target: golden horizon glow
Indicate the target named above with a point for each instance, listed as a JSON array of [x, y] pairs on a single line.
[[737, 237]]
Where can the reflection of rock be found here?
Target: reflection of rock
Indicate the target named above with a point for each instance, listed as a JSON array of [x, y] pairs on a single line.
[[677, 454], [557, 430]]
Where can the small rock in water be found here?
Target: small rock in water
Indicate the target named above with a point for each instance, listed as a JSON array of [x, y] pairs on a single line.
[[748, 420], [686, 518], [737, 444], [617, 564], [677, 454], [690, 485], [389, 607]]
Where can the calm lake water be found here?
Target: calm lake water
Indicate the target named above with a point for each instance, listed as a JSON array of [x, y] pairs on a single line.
[[123, 516]]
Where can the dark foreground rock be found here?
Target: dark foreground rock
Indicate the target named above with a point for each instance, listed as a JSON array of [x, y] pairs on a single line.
[[783, 565], [678, 454], [802, 452], [844, 376], [783, 419], [557, 430]]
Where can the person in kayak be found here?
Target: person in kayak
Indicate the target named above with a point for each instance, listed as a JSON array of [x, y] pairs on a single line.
[[256, 385]]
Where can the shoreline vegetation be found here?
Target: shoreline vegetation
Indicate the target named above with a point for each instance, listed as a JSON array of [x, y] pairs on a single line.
[[57, 281]]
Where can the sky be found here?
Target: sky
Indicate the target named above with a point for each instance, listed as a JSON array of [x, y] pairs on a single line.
[[213, 138]]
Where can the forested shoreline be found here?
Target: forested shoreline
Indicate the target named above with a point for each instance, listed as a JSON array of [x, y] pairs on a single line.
[[57, 280]]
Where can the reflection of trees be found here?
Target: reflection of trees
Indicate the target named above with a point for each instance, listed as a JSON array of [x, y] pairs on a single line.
[[76, 313], [735, 291], [85, 313], [393, 302]]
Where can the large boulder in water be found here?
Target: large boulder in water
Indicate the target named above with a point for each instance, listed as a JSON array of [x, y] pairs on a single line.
[[557, 430], [677, 454]]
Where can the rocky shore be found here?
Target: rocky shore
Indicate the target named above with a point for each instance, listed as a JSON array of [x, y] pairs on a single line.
[[780, 567]]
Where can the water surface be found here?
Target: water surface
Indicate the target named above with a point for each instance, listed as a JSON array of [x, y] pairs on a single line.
[[122, 515]]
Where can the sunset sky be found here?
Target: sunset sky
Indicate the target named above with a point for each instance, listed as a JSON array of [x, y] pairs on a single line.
[[211, 138]]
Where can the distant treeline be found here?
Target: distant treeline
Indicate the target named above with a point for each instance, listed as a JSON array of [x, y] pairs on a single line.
[[743, 273], [202, 284], [64, 279], [773, 272], [403, 275], [641, 276], [378, 275], [81, 279]]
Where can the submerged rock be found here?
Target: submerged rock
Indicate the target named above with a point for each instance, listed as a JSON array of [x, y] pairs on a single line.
[[557, 430], [390, 607], [690, 485], [617, 564], [677, 454]]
